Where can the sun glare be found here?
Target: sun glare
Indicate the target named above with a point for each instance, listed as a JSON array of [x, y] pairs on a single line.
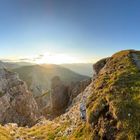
[[56, 59]]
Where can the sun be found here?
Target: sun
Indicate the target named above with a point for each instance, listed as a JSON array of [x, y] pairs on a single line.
[[56, 59]]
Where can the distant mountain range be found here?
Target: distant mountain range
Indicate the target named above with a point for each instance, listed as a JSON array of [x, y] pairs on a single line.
[[81, 68], [38, 77]]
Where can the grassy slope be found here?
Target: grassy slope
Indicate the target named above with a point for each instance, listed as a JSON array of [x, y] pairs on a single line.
[[118, 88]]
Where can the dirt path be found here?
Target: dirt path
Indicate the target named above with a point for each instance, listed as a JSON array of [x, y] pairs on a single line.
[[136, 59]]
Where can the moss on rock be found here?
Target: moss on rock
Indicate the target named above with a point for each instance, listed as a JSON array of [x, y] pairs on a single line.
[[120, 80]]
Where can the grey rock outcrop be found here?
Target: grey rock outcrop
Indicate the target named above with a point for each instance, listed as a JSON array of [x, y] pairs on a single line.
[[99, 65], [76, 88], [17, 104]]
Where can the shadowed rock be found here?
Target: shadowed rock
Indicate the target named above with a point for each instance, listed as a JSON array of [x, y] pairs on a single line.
[[59, 96]]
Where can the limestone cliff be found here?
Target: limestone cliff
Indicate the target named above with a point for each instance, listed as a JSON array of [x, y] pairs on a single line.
[[17, 104]]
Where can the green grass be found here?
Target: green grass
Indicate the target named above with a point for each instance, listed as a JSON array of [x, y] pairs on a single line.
[[121, 90]]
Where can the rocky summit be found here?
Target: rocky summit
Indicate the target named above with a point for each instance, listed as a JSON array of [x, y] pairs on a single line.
[[107, 109]]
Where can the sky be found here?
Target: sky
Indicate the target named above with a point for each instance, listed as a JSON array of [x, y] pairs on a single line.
[[67, 31]]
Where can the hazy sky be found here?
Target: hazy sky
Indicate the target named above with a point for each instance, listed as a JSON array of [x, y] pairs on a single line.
[[71, 30]]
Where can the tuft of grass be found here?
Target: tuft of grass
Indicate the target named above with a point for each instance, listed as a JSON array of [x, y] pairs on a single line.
[[5, 134]]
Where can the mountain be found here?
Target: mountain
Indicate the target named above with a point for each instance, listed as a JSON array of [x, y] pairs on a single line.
[[38, 77], [13, 65], [81, 68], [108, 109]]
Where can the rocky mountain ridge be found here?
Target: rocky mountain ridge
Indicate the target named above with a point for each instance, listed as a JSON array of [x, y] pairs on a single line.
[[112, 106]]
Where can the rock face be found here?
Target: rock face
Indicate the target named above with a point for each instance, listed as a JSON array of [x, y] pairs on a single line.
[[63, 95], [59, 96], [44, 104], [55, 102], [17, 104], [77, 88], [99, 65], [43, 100]]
